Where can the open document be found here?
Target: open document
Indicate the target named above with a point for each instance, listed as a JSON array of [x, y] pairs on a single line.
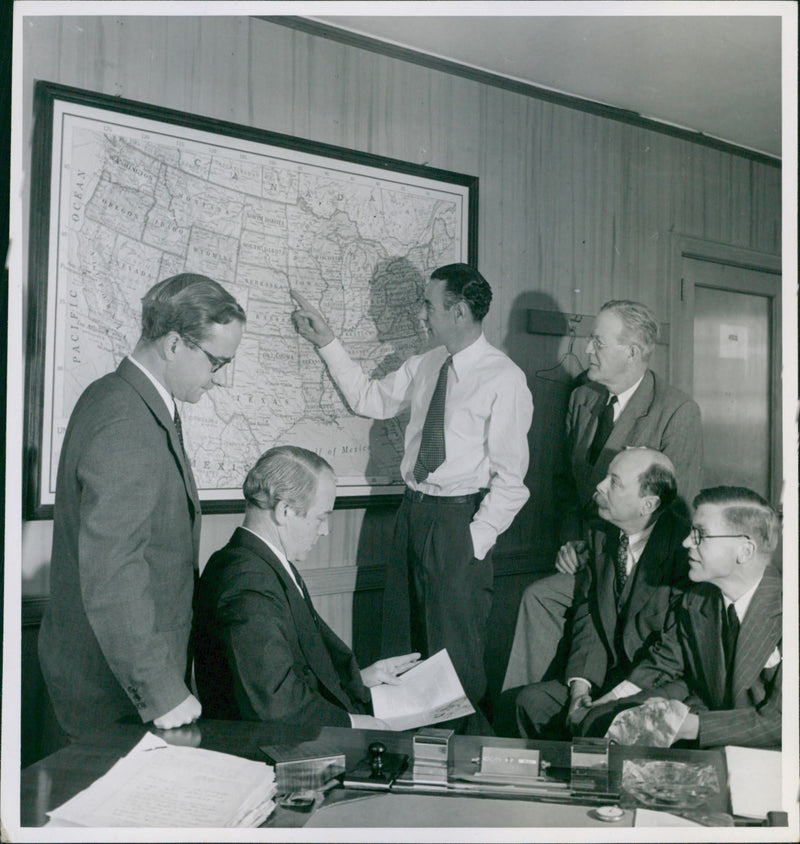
[[429, 693], [161, 785]]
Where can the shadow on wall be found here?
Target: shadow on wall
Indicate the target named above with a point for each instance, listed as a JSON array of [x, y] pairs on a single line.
[[396, 292]]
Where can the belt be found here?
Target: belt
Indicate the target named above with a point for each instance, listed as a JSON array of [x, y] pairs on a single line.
[[424, 498]]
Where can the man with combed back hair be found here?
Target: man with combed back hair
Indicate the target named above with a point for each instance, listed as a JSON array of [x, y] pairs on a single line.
[[115, 635], [624, 403], [633, 569], [465, 458], [262, 652], [721, 651]]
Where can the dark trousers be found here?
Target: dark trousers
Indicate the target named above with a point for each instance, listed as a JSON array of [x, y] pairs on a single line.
[[437, 594]]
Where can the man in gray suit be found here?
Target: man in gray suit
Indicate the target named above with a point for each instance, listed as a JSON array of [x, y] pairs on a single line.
[[623, 404], [114, 638], [721, 650]]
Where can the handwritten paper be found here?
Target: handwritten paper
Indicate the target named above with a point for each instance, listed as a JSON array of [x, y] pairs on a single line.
[[161, 785], [428, 694]]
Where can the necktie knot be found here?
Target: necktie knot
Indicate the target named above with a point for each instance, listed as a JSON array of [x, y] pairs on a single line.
[[432, 451]]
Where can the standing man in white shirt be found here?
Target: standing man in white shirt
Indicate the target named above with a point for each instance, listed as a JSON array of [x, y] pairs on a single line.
[[466, 454]]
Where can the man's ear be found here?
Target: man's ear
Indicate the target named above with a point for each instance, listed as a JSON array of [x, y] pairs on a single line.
[[281, 512], [747, 551], [650, 504], [169, 344], [460, 311]]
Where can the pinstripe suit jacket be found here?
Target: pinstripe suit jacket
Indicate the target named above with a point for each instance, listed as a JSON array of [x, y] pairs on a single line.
[[114, 638], [688, 663]]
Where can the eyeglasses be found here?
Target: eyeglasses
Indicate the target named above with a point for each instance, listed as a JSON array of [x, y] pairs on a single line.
[[216, 363], [697, 535], [598, 345]]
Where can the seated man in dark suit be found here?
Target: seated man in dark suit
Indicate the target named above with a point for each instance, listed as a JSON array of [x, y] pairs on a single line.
[[635, 568], [262, 653], [721, 650]]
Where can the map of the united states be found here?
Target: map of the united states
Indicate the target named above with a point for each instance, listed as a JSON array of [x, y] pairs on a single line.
[[137, 207]]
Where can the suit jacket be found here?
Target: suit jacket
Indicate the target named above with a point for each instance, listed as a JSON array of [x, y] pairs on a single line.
[[602, 651], [657, 416], [688, 664], [126, 532], [261, 653]]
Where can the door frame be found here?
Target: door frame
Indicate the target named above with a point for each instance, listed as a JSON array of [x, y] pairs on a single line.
[[682, 317]]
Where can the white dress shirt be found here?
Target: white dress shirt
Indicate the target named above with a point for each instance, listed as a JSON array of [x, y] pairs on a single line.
[[624, 397], [488, 412]]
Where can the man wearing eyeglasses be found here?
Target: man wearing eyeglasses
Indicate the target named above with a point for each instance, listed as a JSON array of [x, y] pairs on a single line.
[[114, 638], [623, 404], [721, 651], [633, 568]]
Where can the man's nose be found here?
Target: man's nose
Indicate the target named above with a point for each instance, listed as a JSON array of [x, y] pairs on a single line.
[[589, 347]]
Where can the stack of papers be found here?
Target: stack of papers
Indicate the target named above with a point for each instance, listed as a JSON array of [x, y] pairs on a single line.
[[428, 694], [161, 785]]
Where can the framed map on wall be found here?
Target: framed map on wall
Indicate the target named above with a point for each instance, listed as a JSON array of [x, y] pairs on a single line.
[[124, 194]]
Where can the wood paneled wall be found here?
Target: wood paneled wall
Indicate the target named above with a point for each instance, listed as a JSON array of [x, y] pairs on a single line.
[[575, 209]]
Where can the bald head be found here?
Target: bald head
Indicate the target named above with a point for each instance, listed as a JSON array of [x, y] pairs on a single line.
[[640, 483]]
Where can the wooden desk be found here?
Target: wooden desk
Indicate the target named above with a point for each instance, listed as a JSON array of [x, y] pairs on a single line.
[[51, 781]]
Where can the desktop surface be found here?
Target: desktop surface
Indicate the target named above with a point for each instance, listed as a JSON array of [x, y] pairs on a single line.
[[53, 780]]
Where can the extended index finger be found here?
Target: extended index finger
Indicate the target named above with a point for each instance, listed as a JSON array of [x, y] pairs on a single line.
[[301, 300]]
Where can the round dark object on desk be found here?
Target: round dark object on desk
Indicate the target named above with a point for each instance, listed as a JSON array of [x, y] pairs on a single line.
[[376, 751]]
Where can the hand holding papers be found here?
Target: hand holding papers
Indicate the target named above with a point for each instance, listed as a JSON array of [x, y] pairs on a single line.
[[160, 785], [427, 694]]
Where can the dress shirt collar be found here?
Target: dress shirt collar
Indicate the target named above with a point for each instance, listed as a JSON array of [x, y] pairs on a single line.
[[279, 554], [169, 401], [742, 603], [463, 361], [624, 397], [636, 545]]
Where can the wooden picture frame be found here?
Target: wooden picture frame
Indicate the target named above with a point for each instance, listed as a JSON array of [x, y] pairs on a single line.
[[124, 194]]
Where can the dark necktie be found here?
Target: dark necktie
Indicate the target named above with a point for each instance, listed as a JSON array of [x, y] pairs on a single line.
[[604, 425], [730, 633], [431, 448], [621, 565], [302, 584], [176, 418]]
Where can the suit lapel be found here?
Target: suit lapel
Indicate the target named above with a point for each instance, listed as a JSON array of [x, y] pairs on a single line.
[[310, 636], [130, 373], [606, 598], [759, 634], [589, 416]]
